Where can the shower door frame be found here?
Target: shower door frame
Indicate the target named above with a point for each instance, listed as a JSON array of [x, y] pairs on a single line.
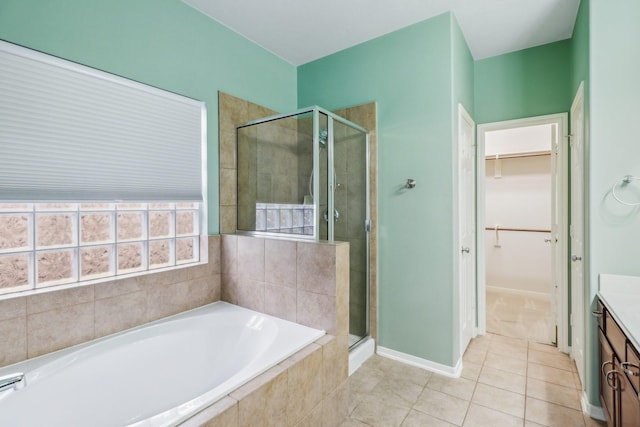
[[315, 111]]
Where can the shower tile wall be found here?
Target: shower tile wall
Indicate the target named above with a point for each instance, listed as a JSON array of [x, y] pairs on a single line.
[[232, 111], [366, 116]]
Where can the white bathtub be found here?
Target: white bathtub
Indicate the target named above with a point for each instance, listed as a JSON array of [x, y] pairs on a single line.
[[156, 375]]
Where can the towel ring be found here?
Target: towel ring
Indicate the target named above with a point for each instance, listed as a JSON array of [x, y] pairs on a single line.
[[625, 180]]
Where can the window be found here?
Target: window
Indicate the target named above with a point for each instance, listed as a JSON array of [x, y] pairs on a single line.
[[100, 176], [48, 244]]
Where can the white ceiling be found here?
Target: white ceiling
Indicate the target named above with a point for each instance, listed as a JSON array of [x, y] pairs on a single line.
[[300, 31]]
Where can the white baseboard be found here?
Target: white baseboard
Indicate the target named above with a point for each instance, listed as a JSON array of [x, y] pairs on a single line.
[[593, 411], [448, 371]]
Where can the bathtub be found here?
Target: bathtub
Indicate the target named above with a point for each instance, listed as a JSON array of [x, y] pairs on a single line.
[[158, 374]]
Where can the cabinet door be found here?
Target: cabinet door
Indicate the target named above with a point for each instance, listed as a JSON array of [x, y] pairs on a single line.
[[607, 393], [632, 367], [629, 403]]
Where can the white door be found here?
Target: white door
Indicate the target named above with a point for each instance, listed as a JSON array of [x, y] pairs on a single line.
[[577, 231], [556, 261], [466, 220]]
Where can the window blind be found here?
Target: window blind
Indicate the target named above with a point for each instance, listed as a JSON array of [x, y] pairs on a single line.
[[70, 132]]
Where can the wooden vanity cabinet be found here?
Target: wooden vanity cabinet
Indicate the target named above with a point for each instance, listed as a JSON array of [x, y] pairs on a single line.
[[607, 393], [629, 410], [619, 373]]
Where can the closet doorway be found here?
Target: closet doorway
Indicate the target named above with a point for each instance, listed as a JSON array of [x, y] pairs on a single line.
[[522, 217]]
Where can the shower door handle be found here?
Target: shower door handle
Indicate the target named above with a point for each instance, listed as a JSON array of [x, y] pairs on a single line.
[[336, 215]]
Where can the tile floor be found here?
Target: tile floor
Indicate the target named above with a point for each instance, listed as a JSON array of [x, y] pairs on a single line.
[[526, 316], [505, 382]]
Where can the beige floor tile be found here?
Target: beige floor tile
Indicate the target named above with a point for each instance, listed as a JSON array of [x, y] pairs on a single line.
[[499, 399], [474, 356], [491, 393], [590, 422], [552, 415], [413, 374], [522, 316], [458, 387], [480, 344], [479, 416], [398, 391], [378, 413], [547, 348], [381, 363], [365, 378], [442, 406], [502, 348], [549, 392], [551, 375], [355, 398], [418, 419], [353, 423], [503, 379], [506, 363], [471, 371], [514, 342], [556, 360]]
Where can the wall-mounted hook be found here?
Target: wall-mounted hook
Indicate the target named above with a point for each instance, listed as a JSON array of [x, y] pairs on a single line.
[[411, 183]]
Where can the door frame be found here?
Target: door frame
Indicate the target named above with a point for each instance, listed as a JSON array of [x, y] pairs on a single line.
[[578, 301], [562, 274], [464, 116]]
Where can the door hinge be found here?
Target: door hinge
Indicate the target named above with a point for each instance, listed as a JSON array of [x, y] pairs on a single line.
[[367, 225]]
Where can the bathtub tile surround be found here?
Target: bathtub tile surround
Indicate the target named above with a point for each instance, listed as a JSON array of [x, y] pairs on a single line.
[[298, 392], [305, 282], [37, 324], [255, 276]]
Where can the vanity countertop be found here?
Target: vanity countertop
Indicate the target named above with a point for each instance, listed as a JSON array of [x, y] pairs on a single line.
[[621, 295]]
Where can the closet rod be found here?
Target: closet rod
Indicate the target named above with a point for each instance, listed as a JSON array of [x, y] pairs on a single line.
[[529, 230], [516, 156]]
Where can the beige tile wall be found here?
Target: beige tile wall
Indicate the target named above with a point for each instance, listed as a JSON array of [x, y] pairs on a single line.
[[232, 112], [304, 282], [37, 324]]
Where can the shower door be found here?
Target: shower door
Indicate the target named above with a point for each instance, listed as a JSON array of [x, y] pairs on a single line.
[[350, 217]]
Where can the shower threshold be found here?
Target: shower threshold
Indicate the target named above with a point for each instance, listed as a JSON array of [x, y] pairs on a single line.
[[360, 352]]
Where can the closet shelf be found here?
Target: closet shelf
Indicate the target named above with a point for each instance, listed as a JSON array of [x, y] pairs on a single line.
[[527, 230], [518, 155]]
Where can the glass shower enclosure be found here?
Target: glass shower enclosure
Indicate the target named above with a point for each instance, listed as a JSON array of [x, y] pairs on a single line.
[[305, 175]]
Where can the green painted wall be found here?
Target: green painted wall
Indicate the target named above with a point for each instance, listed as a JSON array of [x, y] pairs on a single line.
[[409, 74], [462, 69], [579, 46], [163, 43], [526, 83], [614, 87], [580, 73]]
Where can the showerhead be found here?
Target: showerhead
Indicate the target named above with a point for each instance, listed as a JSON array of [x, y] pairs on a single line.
[[324, 137]]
